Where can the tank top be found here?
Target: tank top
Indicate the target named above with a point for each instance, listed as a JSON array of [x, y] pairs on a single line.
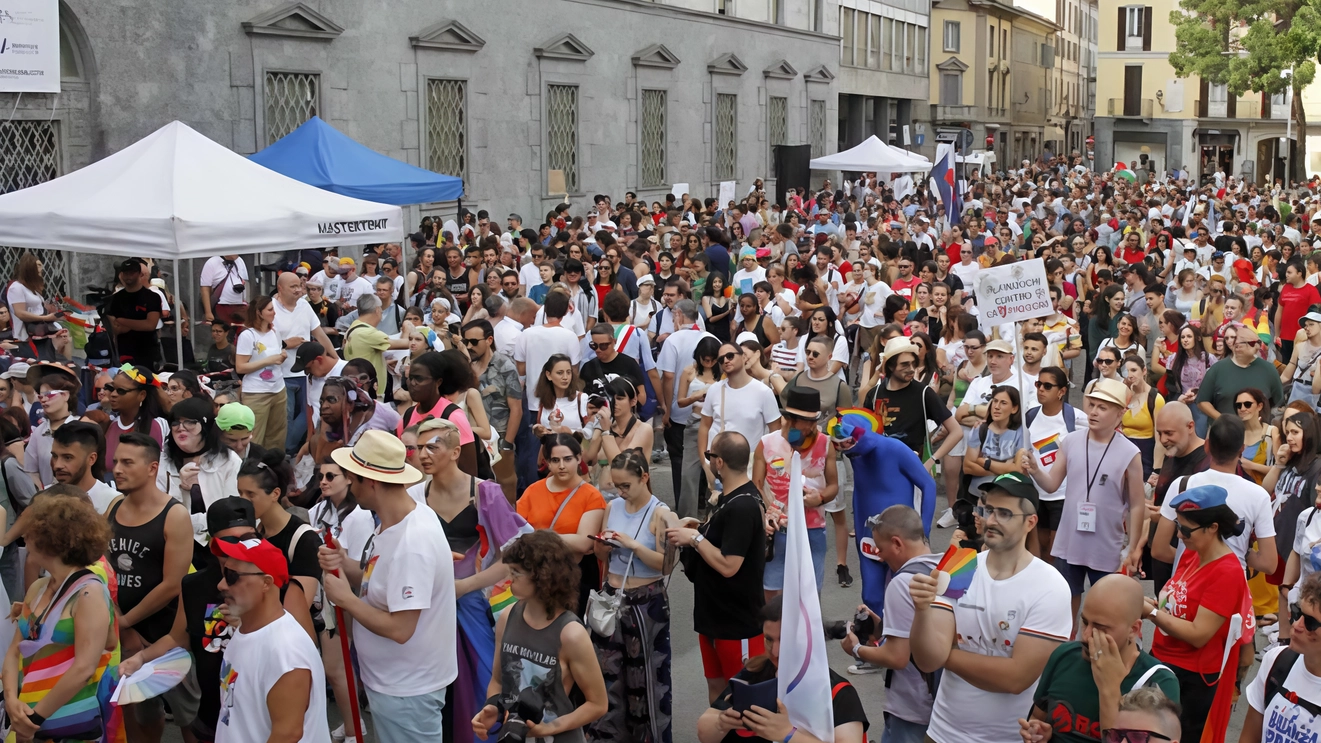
[[778, 454], [1258, 453], [48, 655], [461, 533], [634, 525], [696, 387], [137, 554], [531, 657], [458, 286]]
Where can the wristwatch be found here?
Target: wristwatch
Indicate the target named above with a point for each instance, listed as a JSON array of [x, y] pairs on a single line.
[[698, 540], [1154, 611], [986, 464]]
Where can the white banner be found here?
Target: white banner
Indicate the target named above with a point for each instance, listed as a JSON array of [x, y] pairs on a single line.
[[726, 194], [29, 46], [1012, 293]]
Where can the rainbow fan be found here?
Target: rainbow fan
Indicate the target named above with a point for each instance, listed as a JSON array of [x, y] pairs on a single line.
[[956, 570], [502, 597], [154, 678], [848, 421]]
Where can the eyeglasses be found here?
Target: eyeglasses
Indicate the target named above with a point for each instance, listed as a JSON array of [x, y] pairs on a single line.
[[232, 577], [1187, 531], [1124, 735], [977, 347], [1244, 405], [1310, 623], [727, 357], [993, 512], [601, 346], [186, 423]]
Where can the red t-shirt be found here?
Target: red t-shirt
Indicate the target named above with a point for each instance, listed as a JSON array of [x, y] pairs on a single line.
[[904, 287], [1132, 256], [1293, 305], [952, 250], [1221, 587]]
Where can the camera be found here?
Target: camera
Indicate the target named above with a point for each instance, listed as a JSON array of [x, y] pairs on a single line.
[[525, 708], [863, 626]]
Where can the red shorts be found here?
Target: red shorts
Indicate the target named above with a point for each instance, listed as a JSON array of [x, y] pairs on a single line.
[[722, 659]]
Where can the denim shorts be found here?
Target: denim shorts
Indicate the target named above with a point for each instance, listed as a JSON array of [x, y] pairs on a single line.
[[773, 577]]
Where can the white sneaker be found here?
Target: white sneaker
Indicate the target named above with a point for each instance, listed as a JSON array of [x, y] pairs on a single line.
[[337, 734], [1269, 628], [862, 668], [947, 519]]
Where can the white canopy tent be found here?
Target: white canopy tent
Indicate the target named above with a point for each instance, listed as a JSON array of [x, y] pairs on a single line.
[[177, 194], [873, 155]]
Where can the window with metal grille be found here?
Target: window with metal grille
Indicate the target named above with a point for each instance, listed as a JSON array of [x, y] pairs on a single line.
[[817, 125], [652, 170], [562, 132], [447, 127], [777, 125], [726, 126], [291, 99], [30, 154]]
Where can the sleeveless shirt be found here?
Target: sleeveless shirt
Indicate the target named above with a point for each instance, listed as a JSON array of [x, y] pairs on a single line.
[[137, 554], [635, 525], [531, 657]]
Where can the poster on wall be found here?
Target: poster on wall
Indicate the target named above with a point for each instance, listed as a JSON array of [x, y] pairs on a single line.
[[29, 46]]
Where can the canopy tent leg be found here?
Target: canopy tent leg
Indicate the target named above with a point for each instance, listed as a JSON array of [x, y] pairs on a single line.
[[178, 319]]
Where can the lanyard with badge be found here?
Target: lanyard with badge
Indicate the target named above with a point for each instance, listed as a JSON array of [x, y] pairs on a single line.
[[1087, 509]]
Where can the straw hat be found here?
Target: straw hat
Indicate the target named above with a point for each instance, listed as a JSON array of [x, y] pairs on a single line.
[[898, 345], [378, 456], [1109, 390]]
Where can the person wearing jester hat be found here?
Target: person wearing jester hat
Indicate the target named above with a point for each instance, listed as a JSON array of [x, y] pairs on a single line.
[[885, 473]]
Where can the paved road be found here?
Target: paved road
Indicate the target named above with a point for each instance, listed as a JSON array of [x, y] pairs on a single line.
[[836, 603]]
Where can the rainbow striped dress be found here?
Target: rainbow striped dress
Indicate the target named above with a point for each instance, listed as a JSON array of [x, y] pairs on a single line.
[[46, 658]]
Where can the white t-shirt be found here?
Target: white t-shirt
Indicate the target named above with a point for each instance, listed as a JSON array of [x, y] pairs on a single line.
[[410, 568], [538, 343], [1285, 720], [641, 311], [254, 662], [873, 304], [329, 284], [573, 320], [967, 274], [530, 275], [259, 346], [353, 532], [296, 323], [1246, 498], [1045, 435], [744, 280], [750, 410], [675, 356], [101, 495], [221, 279], [1307, 543], [573, 409], [316, 384], [908, 698], [31, 301], [349, 291], [506, 335], [988, 620]]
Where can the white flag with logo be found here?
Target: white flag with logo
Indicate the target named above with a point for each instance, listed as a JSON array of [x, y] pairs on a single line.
[[803, 674]]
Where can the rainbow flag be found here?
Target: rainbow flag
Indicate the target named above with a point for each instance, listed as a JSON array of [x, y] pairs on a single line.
[[1047, 449], [502, 597]]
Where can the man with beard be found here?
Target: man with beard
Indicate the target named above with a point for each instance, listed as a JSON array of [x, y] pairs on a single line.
[[1078, 695], [77, 457], [1185, 454], [273, 684], [904, 408], [151, 548], [995, 639]]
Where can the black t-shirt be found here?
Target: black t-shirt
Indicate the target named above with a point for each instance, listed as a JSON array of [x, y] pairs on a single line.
[[622, 365], [1175, 467], [901, 412], [729, 608], [220, 359], [208, 634], [843, 698], [304, 561], [136, 346]]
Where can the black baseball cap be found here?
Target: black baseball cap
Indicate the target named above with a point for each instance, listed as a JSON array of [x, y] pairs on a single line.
[[307, 352], [228, 513], [1015, 484], [132, 265]]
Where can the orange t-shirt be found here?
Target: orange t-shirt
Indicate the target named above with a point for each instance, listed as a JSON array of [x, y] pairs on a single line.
[[539, 504]]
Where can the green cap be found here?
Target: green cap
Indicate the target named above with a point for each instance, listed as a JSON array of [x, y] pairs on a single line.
[[235, 415]]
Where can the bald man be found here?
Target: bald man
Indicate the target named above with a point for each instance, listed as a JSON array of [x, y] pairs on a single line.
[[296, 323], [1078, 695], [1185, 454]]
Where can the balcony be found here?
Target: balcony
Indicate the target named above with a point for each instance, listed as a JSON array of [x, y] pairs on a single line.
[[956, 113], [1143, 110]]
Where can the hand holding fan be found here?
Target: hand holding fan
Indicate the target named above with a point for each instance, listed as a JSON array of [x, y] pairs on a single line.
[[956, 570], [154, 678]]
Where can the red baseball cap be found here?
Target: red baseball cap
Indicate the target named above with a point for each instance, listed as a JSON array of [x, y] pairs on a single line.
[[265, 556]]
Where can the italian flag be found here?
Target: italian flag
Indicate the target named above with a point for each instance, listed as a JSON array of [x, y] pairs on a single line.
[[1122, 171]]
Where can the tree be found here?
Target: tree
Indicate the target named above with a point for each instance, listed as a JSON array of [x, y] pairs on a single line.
[[1245, 45]]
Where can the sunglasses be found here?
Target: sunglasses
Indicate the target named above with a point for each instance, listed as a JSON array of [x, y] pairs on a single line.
[[328, 476], [1122, 735], [601, 346], [727, 357], [1047, 386], [1244, 405], [812, 354], [1187, 531], [473, 342], [1106, 362], [1310, 623], [121, 391], [232, 577]]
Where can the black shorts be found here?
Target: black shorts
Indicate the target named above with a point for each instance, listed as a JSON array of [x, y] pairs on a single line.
[[1049, 513]]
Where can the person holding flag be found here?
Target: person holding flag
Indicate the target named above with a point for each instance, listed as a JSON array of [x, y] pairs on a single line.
[[813, 704]]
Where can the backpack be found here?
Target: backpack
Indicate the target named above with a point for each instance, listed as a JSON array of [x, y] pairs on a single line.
[[1070, 417], [1276, 677]]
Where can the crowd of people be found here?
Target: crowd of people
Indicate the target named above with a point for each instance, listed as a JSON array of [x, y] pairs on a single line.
[[445, 463]]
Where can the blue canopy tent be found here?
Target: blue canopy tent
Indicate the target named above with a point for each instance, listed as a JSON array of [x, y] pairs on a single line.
[[320, 155]]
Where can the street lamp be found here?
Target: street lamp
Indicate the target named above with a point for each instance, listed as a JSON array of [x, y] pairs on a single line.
[[1288, 127]]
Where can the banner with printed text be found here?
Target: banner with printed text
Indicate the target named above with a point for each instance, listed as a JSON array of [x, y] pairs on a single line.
[[1012, 293], [29, 46]]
